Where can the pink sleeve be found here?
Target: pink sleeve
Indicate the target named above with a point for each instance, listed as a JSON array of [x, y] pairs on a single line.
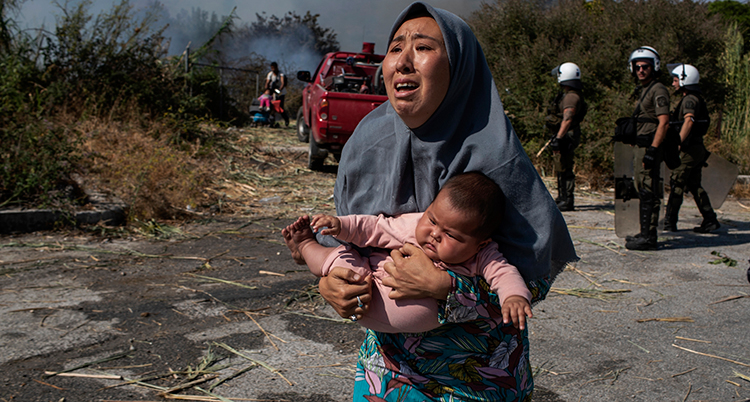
[[378, 231], [503, 278]]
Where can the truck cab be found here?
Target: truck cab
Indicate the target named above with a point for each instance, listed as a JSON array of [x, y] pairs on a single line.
[[345, 87]]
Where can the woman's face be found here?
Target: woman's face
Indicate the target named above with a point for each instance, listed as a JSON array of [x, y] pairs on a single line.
[[416, 70]]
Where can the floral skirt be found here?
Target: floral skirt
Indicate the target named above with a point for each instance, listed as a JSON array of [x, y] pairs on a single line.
[[504, 376], [473, 356]]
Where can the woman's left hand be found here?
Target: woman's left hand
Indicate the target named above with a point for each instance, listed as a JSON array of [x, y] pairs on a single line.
[[412, 275]]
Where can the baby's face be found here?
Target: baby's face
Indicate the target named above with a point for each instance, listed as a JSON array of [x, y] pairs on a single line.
[[443, 232]]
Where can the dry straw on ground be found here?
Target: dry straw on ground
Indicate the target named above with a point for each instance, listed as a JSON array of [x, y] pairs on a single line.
[[251, 172]]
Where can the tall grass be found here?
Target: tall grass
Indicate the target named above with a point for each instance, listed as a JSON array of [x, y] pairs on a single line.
[[735, 129]]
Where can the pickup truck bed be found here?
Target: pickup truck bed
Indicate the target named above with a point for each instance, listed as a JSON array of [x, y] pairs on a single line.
[[343, 90]]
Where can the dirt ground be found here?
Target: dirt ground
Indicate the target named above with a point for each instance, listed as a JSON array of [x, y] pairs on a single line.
[[217, 311]]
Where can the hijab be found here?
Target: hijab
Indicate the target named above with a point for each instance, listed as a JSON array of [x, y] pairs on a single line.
[[388, 168]]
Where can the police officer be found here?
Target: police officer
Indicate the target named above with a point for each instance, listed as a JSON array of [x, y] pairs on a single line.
[[652, 113], [691, 119], [564, 116]]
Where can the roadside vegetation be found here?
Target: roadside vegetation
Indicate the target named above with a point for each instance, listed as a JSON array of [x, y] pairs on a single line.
[[99, 97], [524, 40], [103, 98]]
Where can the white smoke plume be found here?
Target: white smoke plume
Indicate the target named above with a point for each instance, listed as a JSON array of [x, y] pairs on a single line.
[[353, 21]]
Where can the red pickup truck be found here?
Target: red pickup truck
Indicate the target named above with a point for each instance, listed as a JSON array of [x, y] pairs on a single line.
[[345, 87]]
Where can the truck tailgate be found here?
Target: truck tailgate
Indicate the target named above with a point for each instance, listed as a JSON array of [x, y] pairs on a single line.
[[345, 110]]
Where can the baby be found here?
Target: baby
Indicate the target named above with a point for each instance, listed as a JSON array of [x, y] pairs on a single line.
[[265, 100], [454, 232]]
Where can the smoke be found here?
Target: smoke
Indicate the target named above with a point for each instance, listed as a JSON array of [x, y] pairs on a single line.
[[353, 21], [289, 56], [357, 21]]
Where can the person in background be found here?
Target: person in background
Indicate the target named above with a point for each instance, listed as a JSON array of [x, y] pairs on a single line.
[[265, 100], [563, 119], [691, 119], [276, 82], [653, 122]]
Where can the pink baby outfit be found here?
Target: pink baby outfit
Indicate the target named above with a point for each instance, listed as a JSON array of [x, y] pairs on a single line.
[[415, 315], [265, 101]]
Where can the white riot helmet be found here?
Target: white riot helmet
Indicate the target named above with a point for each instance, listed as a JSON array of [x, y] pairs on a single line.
[[647, 54], [688, 76], [568, 74]]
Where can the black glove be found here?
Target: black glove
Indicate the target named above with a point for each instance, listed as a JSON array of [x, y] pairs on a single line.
[[649, 158], [554, 144]]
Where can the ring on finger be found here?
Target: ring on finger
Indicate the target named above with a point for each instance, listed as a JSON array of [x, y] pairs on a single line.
[[359, 302], [353, 318]]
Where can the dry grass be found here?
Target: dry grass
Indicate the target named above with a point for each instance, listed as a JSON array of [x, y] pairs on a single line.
[[741, 191], [149, 175], [257, 172], [263, 172]]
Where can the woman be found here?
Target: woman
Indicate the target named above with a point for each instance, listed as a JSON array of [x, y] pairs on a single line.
[[443, 117]]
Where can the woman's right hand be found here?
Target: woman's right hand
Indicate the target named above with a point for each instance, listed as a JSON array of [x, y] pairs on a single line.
[[412, 275], [341, 288]]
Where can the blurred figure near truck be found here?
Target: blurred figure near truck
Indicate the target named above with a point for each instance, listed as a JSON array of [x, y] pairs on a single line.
[[276, 82]]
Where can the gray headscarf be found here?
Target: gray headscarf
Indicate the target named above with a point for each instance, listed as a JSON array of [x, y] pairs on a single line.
[[388, 168]]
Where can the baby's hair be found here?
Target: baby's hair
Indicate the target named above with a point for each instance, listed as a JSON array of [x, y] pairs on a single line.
[[480, 196]]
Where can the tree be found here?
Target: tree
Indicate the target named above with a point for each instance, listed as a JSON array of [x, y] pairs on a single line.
[[194, 28], [297, 30], [6, 23], [731, 10], [524, 39]]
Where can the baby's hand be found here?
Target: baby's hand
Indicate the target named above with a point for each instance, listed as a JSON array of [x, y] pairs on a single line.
[[331, 223], [516, 308]]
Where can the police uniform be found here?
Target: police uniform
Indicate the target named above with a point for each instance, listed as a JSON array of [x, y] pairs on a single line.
[[563, 161], [654, 103], [693, 155]]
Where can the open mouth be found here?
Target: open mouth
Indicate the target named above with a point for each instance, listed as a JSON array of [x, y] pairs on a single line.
[[406, 87]]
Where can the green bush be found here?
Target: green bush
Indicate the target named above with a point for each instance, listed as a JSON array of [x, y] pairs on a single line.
[[524, 40], [735, 123], [37, 160]]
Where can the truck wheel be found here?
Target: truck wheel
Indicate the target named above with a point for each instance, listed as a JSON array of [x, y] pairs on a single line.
[[303, 131], [316, 156]]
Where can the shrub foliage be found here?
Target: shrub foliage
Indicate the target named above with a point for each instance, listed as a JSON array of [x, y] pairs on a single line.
[[525, 39], [100, 94]]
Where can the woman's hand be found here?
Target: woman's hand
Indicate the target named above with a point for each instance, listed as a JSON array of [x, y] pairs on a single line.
[[341, 288], [414, 276]]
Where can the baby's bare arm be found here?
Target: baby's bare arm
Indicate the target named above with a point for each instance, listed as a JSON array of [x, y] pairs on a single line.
[[516, 308], [332, 223]]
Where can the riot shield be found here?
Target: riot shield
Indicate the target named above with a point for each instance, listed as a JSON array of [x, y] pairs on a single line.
[[718, 177], [627, 203], [626, 196]]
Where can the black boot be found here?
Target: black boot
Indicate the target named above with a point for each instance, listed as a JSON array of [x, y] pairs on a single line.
[[672, 212], [566, 186], [560, 189], [707, 226], [643, 242], [646, 240], [566, 204], [709, 223]]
